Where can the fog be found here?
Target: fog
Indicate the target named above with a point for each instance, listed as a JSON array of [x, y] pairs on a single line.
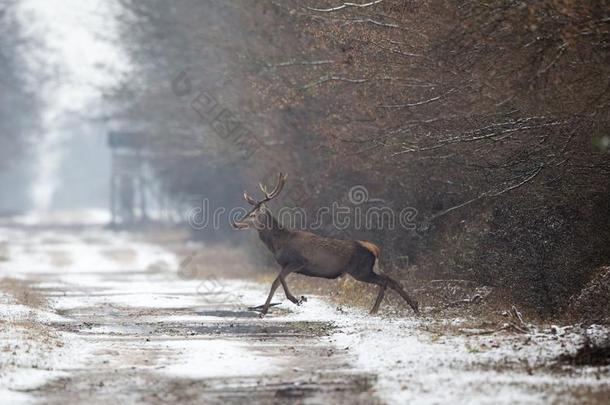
[[432, 175], [70, 61]]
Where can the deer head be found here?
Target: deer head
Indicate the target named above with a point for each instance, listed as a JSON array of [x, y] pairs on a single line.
[[258, 217]]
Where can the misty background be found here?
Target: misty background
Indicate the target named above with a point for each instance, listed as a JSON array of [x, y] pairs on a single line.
[[57, 62], [491, 120]]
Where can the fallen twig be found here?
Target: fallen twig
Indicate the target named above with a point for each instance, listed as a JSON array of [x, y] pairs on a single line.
[[516, 321], [472, 300]]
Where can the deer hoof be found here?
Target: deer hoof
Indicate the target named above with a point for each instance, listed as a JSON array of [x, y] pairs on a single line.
[[303, 298]]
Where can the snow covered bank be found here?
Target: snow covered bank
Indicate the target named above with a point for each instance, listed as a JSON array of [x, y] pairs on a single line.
[[416, 366]]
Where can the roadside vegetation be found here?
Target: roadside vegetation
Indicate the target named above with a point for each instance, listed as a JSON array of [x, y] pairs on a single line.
[[490, 119]]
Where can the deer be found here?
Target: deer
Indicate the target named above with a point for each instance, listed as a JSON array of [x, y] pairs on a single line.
[[309, 254]]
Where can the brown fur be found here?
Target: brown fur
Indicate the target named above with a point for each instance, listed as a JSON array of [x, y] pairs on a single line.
[[371, 247], [317, 256]]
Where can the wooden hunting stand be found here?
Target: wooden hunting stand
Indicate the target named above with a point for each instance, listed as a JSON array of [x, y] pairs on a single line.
[[128, 181]]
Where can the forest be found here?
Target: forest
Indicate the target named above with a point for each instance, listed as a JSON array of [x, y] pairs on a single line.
[[490, 119], [454, 153]]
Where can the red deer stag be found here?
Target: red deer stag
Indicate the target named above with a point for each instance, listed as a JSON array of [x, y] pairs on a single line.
[[312, 255]]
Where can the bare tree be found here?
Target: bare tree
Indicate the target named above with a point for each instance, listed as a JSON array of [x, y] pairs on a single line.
[[18, 106], [477, 114]]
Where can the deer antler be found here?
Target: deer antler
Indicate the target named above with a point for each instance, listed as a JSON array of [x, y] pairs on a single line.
[[251, 200], [281, 181]]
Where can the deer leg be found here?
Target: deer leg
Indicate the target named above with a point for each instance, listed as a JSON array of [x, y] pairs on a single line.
[[274, 287], [373, 278], [282, 276], [382, 288], [288, 294], [396, 287]]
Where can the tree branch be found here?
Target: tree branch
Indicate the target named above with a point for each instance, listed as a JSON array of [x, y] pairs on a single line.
[[489, 194], [343, 6]]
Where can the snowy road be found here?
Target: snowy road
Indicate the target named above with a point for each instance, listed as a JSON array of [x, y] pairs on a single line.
[[90, 316]]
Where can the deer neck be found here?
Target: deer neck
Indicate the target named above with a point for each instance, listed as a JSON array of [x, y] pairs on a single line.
[[273, 235]]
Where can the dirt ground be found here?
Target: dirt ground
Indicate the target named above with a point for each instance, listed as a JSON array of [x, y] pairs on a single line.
[[127, 331], [91, 316]]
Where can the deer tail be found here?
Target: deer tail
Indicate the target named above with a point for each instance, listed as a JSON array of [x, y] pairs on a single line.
[[371, 247]]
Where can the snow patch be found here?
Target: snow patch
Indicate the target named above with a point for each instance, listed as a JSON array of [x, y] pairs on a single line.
[[215, 358]]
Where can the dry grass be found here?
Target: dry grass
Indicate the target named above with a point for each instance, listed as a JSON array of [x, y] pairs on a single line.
[[4, 256], [22, 293], [166, 236], [122, 256], [221, 261], [592, 303], [60, 258], [437, 298], [342, 291], [199, 260], [437, 304]]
